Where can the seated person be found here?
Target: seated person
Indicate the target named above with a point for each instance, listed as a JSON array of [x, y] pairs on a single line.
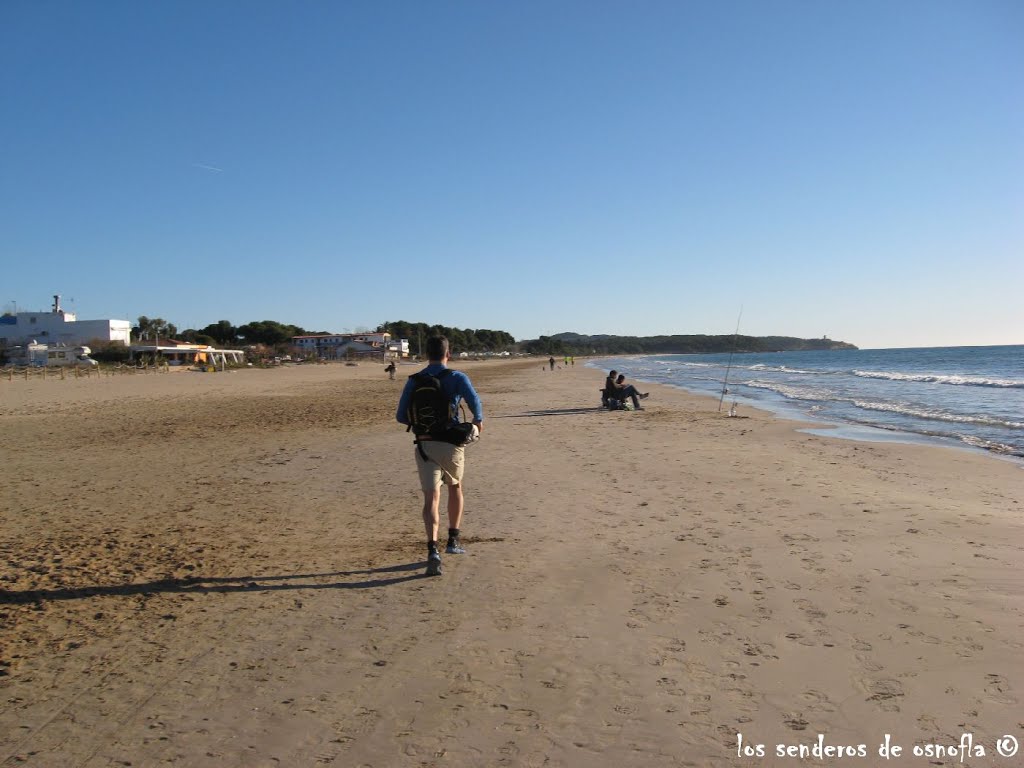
[[610, 391], [623, 390]]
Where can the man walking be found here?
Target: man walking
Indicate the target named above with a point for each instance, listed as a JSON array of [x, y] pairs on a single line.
[[437, 461]]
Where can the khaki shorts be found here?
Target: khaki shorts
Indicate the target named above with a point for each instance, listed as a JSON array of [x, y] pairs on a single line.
[[446, 464]]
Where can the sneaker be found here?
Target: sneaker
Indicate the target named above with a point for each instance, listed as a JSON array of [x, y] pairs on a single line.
[[454, 548], [645, 395], [434, 564]]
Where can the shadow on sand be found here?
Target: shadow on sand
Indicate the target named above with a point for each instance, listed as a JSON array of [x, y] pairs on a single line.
[[551, 412], [204, 584]]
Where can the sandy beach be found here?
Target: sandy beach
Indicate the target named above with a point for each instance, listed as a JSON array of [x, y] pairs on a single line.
[[225, 570]]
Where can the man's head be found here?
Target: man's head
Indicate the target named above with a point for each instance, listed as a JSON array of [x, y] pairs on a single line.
[[437, 349], [612, 374]]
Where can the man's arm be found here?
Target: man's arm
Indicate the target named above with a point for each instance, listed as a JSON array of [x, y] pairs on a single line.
[[472, 400], [402, 414]]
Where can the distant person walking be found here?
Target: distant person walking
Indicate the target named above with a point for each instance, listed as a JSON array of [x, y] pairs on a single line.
[[429, 406], [551, 362], [390, 370]]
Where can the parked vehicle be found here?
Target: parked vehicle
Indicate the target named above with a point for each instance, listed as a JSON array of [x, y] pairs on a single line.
[[39, 355]]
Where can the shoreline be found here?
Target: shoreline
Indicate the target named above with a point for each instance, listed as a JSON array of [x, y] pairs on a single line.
[[227, 570], [836, 426]]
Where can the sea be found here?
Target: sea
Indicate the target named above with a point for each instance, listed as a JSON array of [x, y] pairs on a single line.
[[967, 397]]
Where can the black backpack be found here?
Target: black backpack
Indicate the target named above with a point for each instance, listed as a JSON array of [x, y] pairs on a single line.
[[430, 410]]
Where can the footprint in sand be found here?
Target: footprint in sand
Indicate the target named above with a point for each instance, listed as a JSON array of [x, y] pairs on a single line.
[[798, 638], [671, 686], [997, 689], [903, 605], [884, 693], [867, 663], [810, 609], [795, 721], [764, 650]]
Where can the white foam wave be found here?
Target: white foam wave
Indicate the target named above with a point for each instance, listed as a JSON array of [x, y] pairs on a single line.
[[991, 445], [782, 369], [903, 409], [962, 380], [791, 392]]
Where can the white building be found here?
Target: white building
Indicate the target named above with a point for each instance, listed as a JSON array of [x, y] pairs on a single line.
[[332, 345], [397, 348], [58, 327]]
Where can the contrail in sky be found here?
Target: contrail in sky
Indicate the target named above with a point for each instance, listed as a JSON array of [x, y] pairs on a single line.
[[208, 167]]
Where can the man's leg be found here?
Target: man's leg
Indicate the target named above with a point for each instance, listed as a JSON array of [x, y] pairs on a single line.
[[630, 392], [633, 394], [455, 506], [431, 516], [431, 520], [430, 483]]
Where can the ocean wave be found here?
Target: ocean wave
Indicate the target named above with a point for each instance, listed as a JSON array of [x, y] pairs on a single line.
[[791, 392], [972, 440], [960, 380], [783, 369], [903, 409], [992, 445]]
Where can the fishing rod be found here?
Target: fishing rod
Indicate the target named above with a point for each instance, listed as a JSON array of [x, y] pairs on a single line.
[[728, 367]]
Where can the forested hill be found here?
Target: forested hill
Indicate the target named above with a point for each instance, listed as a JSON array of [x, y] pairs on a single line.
[[577, 344]]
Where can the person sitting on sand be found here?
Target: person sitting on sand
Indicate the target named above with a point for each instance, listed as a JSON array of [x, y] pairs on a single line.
[[624, 390], [609, 390]]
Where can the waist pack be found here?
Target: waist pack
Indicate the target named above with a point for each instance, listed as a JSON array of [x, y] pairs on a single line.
[[459, 434]]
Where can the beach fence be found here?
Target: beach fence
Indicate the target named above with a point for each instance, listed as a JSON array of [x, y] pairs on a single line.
[[31, 372]]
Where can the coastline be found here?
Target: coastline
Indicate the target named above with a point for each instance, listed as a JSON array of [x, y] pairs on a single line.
[[862, 433], [816, 400], [224, 569]]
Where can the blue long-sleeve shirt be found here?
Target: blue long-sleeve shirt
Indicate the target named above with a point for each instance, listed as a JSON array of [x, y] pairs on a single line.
[[455, 385]]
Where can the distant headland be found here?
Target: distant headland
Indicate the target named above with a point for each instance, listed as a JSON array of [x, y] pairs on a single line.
[[603, 344]]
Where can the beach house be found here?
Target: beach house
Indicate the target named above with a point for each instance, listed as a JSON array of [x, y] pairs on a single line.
[[332, 346], [59, 328]]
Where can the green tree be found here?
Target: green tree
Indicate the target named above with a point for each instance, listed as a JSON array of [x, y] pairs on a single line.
[[223, 332], [154, 328], [268, 332]]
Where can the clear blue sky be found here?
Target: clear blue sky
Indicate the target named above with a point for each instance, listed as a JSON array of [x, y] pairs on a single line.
[[854, 169]]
